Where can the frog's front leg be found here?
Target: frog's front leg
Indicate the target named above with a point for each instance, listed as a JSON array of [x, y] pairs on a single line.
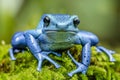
[[86, 56], [35, 49]]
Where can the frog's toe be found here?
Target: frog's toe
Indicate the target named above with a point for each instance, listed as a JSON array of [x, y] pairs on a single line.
[[112, 59], [57, 66], [38, 69], [98, 50], [57, 54], [70, 74], [111, 51], [13, 58], [39, 64], [102, 49]]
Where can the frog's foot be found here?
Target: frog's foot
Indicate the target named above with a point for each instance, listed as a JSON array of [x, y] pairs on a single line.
[[108, 52], [80, 67], [42, 56], [98, 49]]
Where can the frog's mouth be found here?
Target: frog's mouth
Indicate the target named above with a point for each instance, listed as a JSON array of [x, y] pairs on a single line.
[[61, 31], [58, 36]]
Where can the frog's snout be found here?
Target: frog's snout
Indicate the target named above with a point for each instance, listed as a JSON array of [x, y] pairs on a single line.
[[62, 26]]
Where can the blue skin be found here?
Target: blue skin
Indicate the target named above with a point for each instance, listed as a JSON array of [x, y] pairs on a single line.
[[56, 33]]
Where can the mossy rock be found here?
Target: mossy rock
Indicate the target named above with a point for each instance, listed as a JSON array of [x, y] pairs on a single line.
[[24, 68]]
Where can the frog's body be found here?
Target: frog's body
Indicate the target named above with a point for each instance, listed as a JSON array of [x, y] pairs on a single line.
[[54, 41], [57, 33]]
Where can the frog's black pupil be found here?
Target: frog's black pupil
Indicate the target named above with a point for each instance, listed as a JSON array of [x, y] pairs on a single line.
[[76, 22], [46, 21]]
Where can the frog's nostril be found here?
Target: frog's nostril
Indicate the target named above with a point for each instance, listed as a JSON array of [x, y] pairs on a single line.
[[56, 25], [67, 25]]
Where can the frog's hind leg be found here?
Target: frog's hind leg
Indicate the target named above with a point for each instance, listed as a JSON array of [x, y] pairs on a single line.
[[18, 44], [108, 52]]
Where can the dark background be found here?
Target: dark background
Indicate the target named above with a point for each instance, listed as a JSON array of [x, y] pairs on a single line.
[[101, 17]]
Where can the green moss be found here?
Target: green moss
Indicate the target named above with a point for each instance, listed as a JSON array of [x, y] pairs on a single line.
[[24, 68]]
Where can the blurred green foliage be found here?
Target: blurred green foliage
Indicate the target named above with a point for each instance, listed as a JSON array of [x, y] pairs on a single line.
[[98, 16]]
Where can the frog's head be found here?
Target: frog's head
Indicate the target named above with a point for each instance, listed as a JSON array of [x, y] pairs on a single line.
[[60, 23], [59, 28]]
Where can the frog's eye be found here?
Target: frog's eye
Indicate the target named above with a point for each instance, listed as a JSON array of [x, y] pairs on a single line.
[[46, 21], [76, 21]]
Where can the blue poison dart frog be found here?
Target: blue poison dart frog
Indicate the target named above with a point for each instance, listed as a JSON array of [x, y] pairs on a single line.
[[55, 33]]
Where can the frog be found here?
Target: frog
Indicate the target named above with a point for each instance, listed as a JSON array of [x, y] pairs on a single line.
[[56, 33]]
